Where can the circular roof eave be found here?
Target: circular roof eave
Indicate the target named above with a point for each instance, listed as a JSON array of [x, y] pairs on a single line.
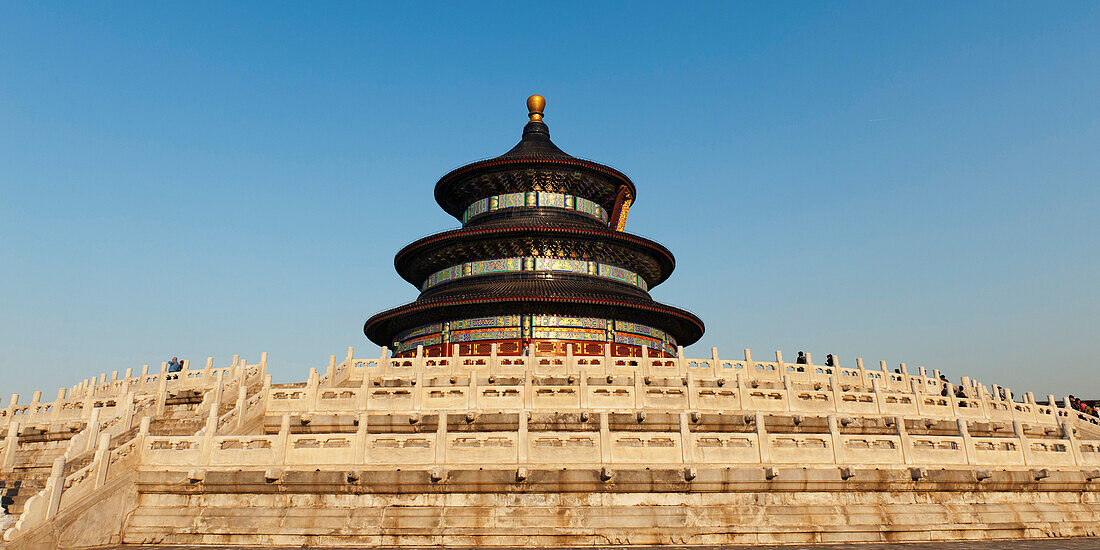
[[418, 247], [685, 327], [454, 176]]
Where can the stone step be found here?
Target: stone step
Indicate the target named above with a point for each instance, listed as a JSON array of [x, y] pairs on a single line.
[[16, 493]]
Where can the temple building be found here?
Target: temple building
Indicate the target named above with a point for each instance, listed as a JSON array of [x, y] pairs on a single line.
[[541, 264]]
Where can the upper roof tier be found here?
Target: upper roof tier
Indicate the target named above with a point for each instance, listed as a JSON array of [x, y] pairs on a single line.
[[534, 164]]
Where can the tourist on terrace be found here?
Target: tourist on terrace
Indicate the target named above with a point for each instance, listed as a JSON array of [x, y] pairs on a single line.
[[175, 365], [800, 360], [829, 360]]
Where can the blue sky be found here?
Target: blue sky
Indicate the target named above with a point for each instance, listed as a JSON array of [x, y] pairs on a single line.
[[904, 182]]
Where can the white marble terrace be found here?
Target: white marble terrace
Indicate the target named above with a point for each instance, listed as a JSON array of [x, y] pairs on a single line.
[[497, 412]]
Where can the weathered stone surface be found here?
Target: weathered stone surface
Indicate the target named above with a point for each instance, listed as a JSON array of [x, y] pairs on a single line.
[[688, 452]]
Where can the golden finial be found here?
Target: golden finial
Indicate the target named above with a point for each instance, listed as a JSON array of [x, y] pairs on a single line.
[[535, 106]]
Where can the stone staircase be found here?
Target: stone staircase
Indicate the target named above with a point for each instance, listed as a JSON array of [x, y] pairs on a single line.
[[15, 489], [35, 457]]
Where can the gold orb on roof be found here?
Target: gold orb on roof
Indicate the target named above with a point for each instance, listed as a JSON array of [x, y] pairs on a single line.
[[535, 106]]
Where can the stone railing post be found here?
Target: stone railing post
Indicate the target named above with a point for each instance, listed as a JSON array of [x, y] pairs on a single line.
[[639, 391], [384, 362], [89, 402], [162, 389], [127, 415], [216, 404], [282, 441], [441, 440], [762, 439], [58, 404], [1067, 433], [312, 393], [418, 392], [876, 386], [363, 396], [692, 393], [263, 365], [983, 400], [142, 436], [265, 392], [918, 396], [11, 443], [102, 460], [837, 440], [742, 401], [330, 374], [471, 390], [906, 441], [242, 396], [968, 442], [523, 439], [242, 374], [605, 440], [685, 440], [12, 404], [1025, 445], [362, 435], [54, 486], [208, 433], [93, 428], [835, 390], [953, 400], [582, 384], [788, 389]]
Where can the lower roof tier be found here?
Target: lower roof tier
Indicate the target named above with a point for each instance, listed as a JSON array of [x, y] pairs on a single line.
[[539, 347], [507, 330], [680, 326]]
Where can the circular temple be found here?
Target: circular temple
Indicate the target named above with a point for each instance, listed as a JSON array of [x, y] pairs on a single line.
[[540, 264]]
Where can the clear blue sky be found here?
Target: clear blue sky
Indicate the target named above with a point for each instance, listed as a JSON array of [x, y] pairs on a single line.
[[908, 182]]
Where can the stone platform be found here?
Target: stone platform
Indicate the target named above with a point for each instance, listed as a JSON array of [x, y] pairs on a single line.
[[490, 451]]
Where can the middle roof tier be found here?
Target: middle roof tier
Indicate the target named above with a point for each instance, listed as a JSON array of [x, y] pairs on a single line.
[[533, 237]]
